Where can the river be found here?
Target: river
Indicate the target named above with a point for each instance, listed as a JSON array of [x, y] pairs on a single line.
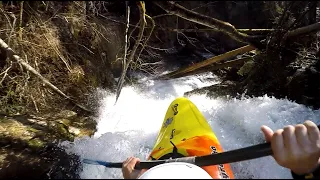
[[130, 127]]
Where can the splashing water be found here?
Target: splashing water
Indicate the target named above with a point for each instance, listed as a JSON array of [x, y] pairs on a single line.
[[130, 127]]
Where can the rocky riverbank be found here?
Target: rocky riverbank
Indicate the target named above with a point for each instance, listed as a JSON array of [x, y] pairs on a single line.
[[29, 143]]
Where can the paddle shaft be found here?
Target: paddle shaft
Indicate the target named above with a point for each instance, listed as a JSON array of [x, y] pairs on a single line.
[[242, 154]]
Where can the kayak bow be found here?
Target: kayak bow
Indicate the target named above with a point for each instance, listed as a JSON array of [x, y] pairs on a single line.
[[186, 133]]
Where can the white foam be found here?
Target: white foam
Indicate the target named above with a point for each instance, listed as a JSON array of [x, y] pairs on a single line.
[[131, 126]]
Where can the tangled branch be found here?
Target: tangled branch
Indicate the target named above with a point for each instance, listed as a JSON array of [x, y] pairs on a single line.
[[134, 49], [225, 27]]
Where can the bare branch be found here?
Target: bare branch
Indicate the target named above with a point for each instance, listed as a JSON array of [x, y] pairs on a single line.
[[205, 5], [20, 19], [34, 103], [134, 49], [55, 48], [161, 15], [130, 34], [126, 37], [145, 42], [116, 21], [11, 54], [13, 27], [5, 72], [225, 27]]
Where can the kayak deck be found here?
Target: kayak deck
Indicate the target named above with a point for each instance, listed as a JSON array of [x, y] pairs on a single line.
[[186, 132]]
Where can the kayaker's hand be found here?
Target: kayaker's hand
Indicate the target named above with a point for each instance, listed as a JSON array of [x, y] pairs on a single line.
[[295, 147], [128, 170]]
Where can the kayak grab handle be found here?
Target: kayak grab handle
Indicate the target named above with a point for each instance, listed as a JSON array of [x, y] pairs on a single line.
[[242, 154]]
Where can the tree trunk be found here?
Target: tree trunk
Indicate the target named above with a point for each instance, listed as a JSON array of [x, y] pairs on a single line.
[[207, 62], [304, 30], [216, 66], [87, 8], [312, 14]]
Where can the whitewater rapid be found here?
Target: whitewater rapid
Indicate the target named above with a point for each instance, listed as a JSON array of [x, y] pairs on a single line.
[[130, 127]]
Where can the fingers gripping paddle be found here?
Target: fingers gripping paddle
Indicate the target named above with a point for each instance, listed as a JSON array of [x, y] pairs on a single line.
[[251, 152]]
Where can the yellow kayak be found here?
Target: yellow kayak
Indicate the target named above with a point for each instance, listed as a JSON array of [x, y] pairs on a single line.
[[186, 132]]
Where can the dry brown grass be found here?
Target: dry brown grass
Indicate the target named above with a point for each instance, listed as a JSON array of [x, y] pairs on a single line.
[[71, 69], [41, 48]]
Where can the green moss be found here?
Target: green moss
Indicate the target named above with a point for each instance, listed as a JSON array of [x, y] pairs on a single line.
[[93, 81], [246, 68], [3, 120], [66, 122], [279, 10], [78, 124], [61, 129], [86, 132], [30, 129], [36, 143], [63, 132]]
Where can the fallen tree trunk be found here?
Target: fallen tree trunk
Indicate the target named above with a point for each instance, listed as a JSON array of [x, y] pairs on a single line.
[[247, 31], [304, 30], [225, 27], [291, 34], [256, 31], [231, 63], [11, 54], [209, 61]]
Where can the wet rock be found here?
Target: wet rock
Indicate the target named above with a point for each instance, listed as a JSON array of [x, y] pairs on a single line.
[[26, 148], [16, 164], [14, 130], [63, 165], [303, 86], [34, 132], [63, 131], [224, 89], [36, 143], [74, 131], [38, 122], [67, 114], [246, 68], [51, 162]]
